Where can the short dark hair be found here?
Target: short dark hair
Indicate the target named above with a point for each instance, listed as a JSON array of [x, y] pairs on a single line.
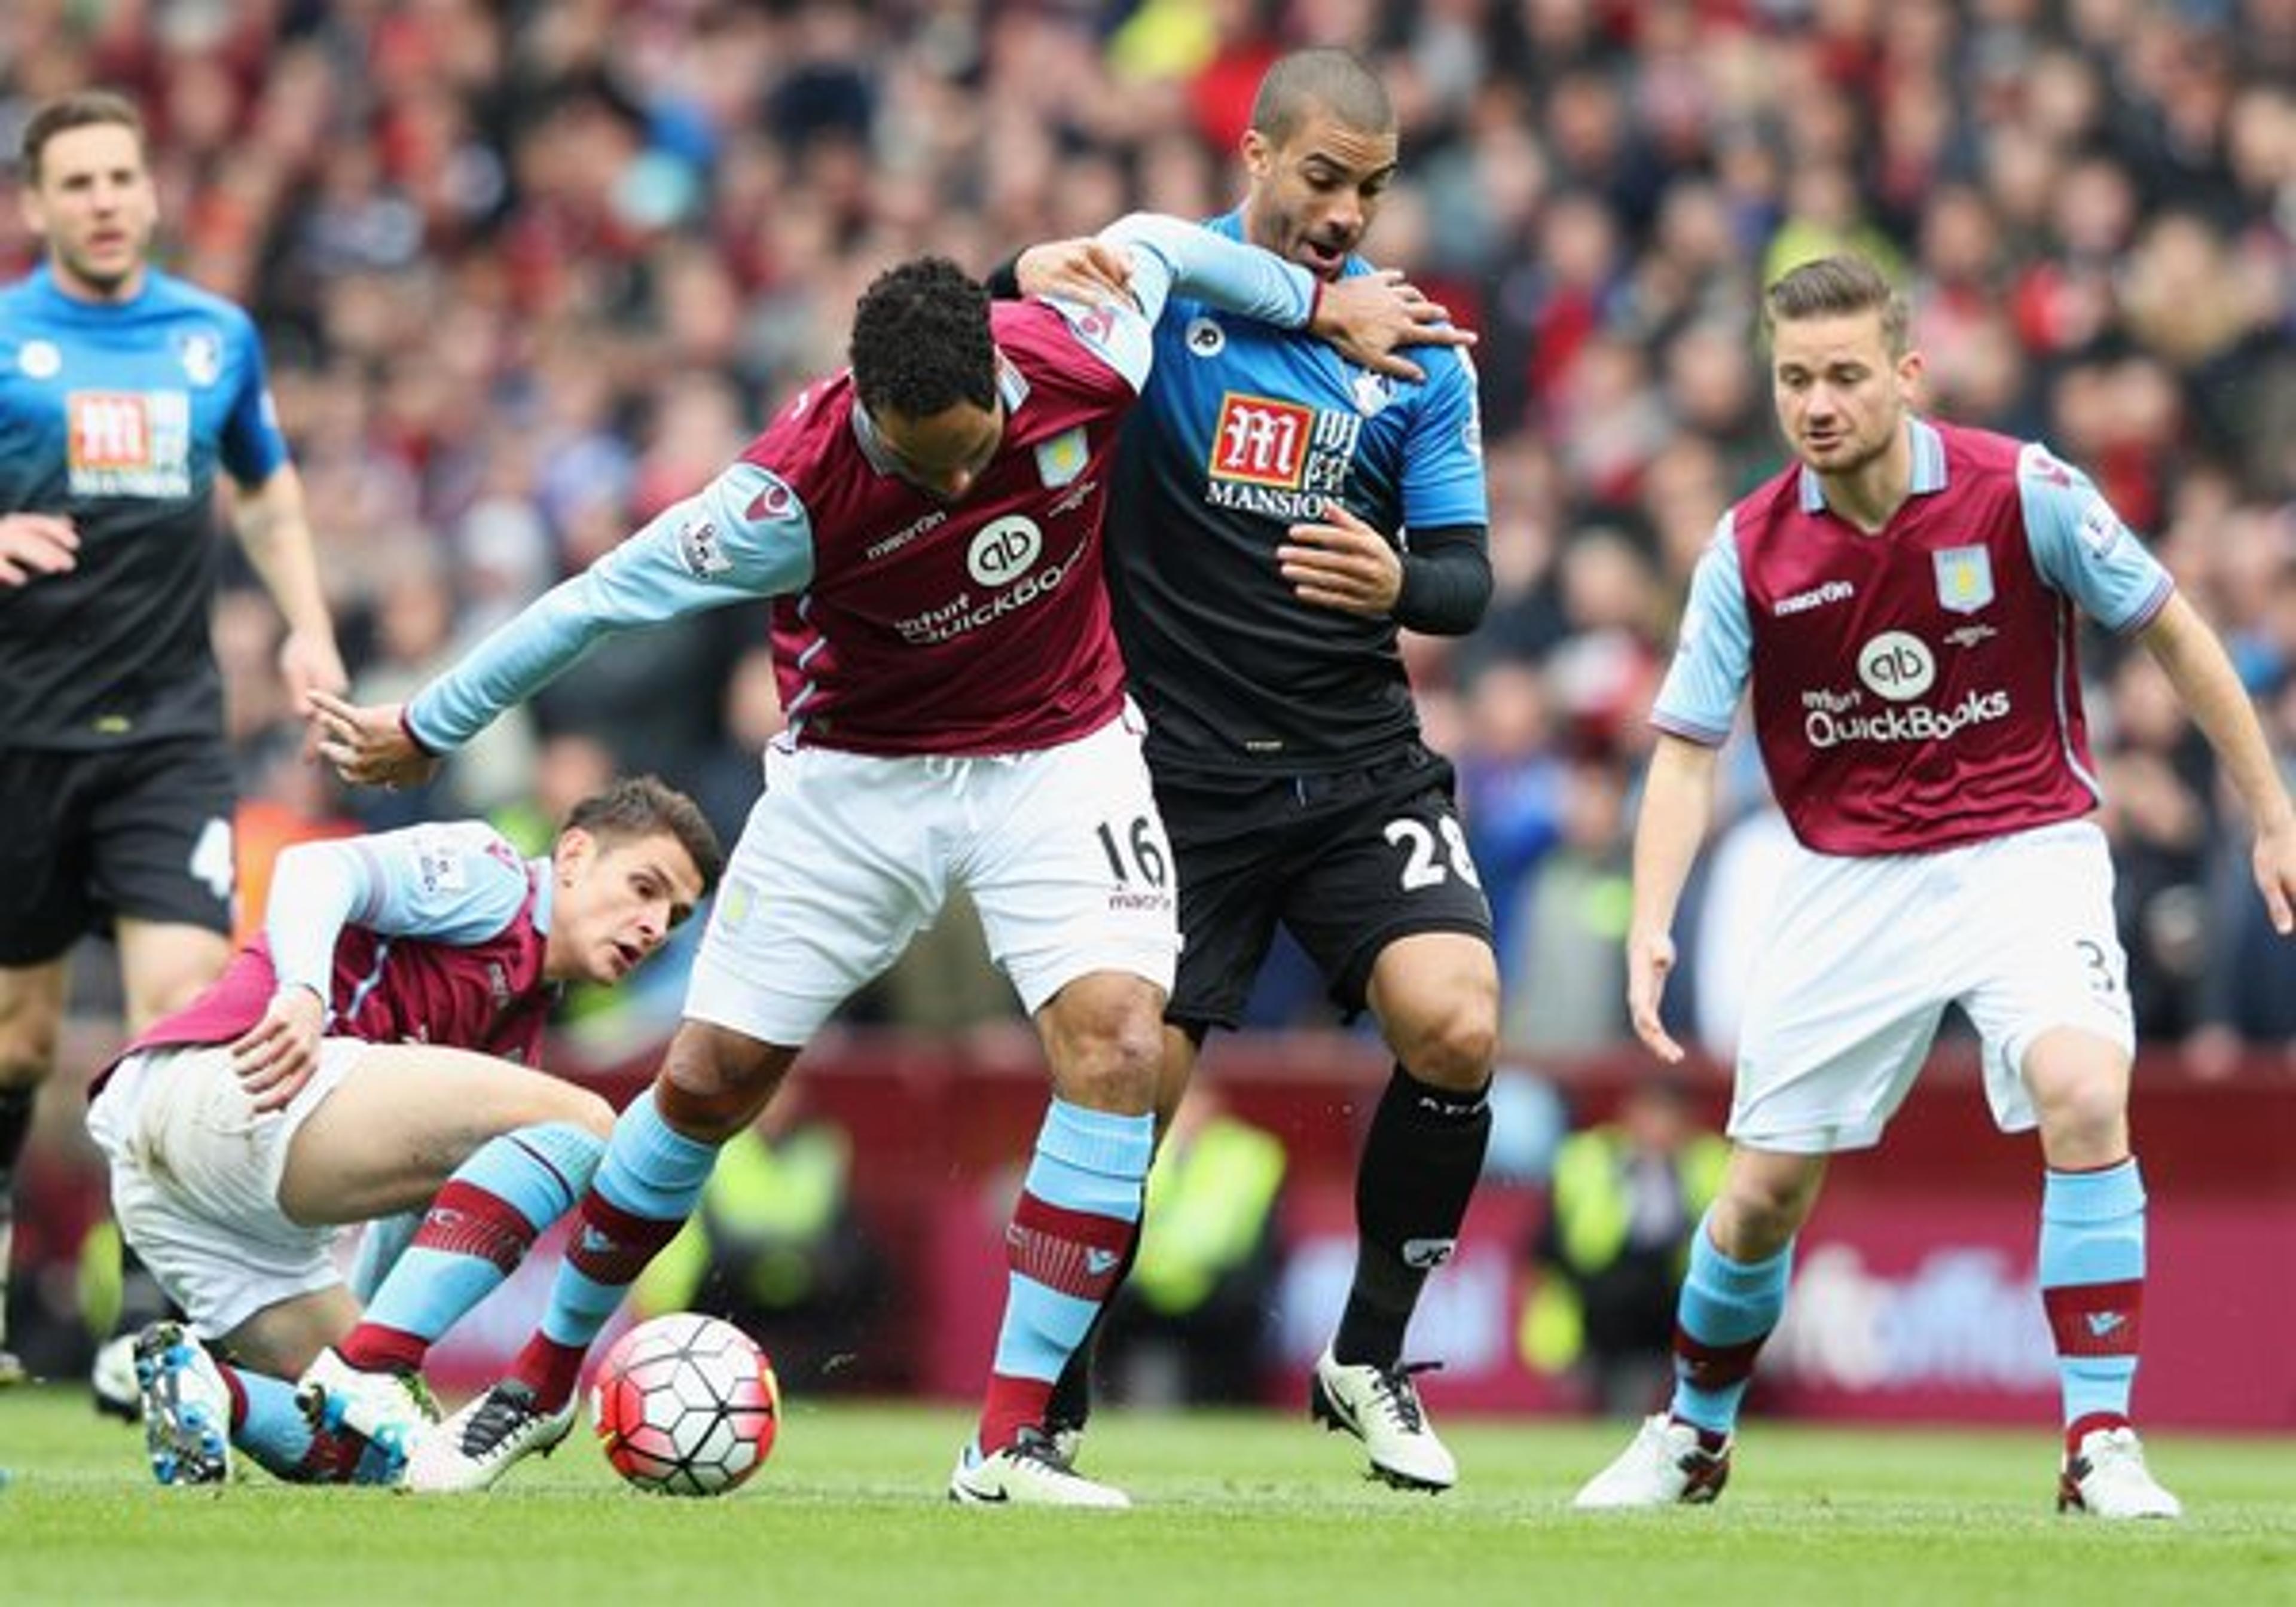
[[1323, 80], [921, 341], [639, 806], [83, 108], [1829, 286]]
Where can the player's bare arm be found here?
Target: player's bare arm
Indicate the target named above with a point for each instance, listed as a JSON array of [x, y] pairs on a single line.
[[1678, 803], [2204, 678], [32, 544], [1341, 562], [368, 744], [276, 531]]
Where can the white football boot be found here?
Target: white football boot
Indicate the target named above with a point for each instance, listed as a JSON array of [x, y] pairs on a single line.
[[1380, 1406], [1668, 1464], [1028, 1472], [2107, 1477], [484, 1441], [391, 1410]]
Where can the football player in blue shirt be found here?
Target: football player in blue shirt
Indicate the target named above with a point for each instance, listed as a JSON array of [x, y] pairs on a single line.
[[1279, 515], [122, 391]]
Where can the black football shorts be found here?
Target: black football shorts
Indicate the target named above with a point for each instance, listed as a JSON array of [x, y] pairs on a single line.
[[1348, 862], [85, 837]]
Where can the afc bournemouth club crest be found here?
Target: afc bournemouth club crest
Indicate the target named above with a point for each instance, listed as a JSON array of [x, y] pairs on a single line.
[[1965, 579]]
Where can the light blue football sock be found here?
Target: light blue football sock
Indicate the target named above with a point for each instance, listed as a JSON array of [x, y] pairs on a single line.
[[650, 1179], [2092, 1274], [538, 1172], [1094, 1163], [1728, 1307]]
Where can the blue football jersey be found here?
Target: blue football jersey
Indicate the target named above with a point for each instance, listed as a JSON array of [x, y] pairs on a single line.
[[1245, 429], [118, 417]]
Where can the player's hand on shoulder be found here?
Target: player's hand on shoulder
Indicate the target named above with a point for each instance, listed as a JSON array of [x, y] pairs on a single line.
[[277, 1055], [32, 544], [1341, 562], [1083, 270], [1366, 316], [367, 744]]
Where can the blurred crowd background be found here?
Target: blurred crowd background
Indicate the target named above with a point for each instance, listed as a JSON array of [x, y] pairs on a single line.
[[529, 272]]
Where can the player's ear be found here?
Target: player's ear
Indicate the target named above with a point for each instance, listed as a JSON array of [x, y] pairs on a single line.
[[1259, 155], [574, 850]]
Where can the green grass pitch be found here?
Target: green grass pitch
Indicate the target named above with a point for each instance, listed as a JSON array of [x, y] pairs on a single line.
[[1234, 1509]]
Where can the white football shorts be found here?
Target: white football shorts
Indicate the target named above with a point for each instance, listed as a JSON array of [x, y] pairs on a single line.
[[847, 856], [195, 1180], [1863, 954]]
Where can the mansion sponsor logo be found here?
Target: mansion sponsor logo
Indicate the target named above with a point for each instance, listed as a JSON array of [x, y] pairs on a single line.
[[1278, 458]]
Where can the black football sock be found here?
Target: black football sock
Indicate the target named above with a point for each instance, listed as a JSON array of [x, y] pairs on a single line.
[[1420, 1163]]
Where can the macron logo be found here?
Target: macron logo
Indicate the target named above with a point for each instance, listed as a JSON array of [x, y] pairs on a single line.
[[2102, 1323], [1817, 596]]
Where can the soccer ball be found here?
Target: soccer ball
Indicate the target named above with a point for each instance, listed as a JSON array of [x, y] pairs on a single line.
[[685, 1405]]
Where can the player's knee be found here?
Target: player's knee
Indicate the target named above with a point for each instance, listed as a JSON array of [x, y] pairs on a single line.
[[1456, 1046], [581, 1108], [1112, 1061], [2085, 1119]]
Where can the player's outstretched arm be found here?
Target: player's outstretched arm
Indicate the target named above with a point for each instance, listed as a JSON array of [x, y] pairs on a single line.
[[2204, 678], [1678, 803]]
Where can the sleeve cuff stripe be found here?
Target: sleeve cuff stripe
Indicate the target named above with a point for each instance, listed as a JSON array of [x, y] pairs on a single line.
[[1692, 731]]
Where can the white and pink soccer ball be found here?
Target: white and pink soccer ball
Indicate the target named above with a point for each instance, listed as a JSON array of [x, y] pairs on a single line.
[[685, 1405]]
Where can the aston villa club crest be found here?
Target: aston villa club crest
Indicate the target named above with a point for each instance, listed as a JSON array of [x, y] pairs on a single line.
[[1965, 579], [1062, 458]]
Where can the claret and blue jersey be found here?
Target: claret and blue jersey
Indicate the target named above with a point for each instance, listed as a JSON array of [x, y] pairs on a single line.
[[1916, 687]]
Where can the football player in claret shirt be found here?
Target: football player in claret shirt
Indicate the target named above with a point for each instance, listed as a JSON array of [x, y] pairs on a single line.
[[1900, 604], [928, 525], [123, 391], [374, 1051]]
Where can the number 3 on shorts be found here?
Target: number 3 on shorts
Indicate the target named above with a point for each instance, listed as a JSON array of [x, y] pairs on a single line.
[[1421, 867]]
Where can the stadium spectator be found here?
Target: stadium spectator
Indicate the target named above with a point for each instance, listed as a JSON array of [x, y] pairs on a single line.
[[1609, 1254]]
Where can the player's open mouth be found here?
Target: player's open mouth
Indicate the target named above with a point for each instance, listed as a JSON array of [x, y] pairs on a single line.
[[1322, 258]]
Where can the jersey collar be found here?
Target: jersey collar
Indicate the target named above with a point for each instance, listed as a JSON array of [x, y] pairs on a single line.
[[1929, 476]]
